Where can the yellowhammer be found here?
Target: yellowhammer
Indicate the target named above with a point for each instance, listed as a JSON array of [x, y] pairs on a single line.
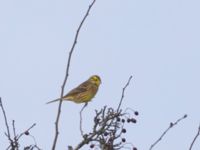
[[84, 92]]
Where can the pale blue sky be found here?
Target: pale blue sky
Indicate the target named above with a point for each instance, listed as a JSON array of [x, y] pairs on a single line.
[[155, 41]]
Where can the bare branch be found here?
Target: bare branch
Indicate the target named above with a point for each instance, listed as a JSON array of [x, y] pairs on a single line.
[[6, 123], [170, 126], [81, 120], [196, 136], [33, 146], [123, 90], [107, 130], [35, 143], [14, 141], [14, 132], [67, 73], [26, 132], [102, 121]]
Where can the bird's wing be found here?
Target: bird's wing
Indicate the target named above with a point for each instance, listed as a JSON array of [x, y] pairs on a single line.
[[80, 89]]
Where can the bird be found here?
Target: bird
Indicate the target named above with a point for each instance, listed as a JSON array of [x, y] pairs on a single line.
[[82, 93]]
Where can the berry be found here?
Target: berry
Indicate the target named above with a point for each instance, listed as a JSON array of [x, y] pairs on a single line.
[[133, 120], [118, 119], [123, 130], [123, 140], [136, 113], [26, 133], [105, 133], [92, 146]]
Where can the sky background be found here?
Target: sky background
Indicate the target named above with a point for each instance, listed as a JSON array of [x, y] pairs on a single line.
[[155, 41]]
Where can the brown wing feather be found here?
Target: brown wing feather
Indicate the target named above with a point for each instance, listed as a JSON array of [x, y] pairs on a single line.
[[79, 89]]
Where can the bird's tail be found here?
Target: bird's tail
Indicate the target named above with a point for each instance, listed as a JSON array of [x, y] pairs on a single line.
[[55, 100]]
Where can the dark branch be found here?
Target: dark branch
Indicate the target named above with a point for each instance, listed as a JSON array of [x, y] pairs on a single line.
[[67, 73], [6, 123], [170, 126], [102, 121], [196, 136], [123, 90], [26, 132], [120, 103], [107, 130], [14, 141], [14, 132]]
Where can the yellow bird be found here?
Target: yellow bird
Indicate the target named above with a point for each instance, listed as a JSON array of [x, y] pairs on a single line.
[[84, 92]]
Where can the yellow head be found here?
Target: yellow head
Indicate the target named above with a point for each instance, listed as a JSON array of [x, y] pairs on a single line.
[[95, 79]]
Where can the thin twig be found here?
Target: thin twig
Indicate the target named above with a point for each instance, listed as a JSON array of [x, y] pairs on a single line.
[[81, 120], [14, 132], [120, 103], [16, 138], [35, 143], [123, 90], [14, 145], [6, 123], [170, 126], [26, 131], [196, 136], [66, 75]]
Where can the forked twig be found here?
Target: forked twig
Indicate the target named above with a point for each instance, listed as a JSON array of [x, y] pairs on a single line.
[[67, 73], [14, 141], [195, 138], [6, 123], [26, 131], [14, 132], [163, 134]]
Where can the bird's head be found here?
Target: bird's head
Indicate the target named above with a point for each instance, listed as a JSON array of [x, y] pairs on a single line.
[[95, 79]]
